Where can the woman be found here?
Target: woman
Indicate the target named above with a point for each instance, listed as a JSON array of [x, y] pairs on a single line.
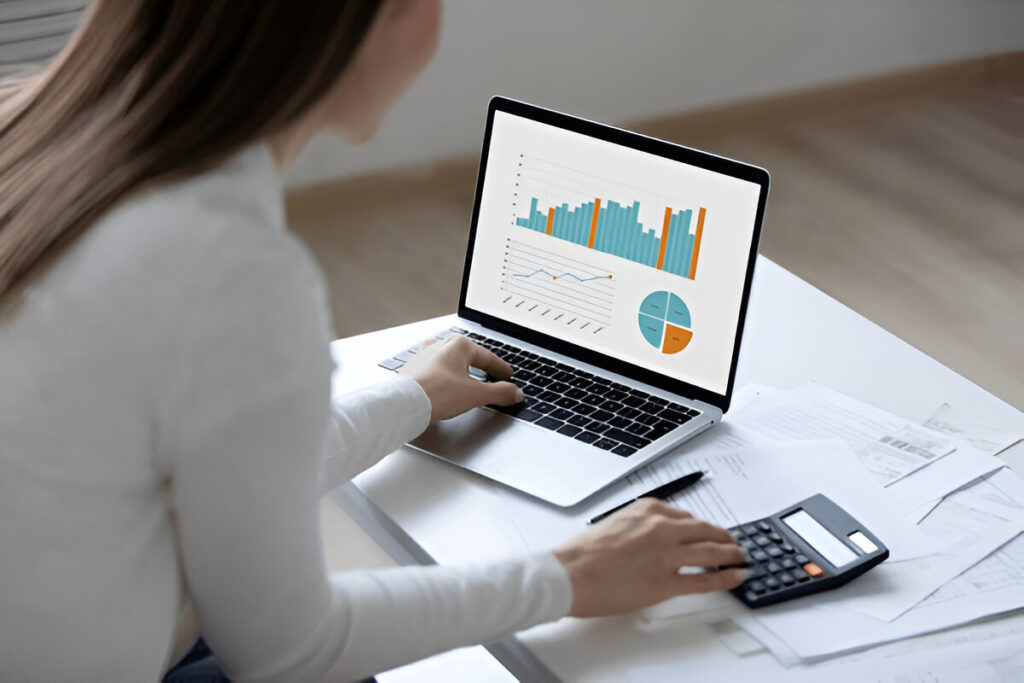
[[164, 369]]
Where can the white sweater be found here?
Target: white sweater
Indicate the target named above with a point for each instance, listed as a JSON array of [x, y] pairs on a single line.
[[166, 431]]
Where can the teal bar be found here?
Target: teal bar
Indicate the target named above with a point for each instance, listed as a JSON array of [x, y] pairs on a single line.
[[615, 215], [685, 243]]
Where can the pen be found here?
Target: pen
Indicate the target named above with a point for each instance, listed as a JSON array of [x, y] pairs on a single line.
[[662, 492]]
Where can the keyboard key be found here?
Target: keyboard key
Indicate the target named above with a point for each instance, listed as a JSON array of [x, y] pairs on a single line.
[[570, 430], [619, 421], [759, 556], [606, 444], [631, 413], [541, 380], [657, 400], [773, 567], [593, 400], [799, 574], [581, 382], [634, 401], [774, 552], [549, 423], [532, 389], [801, 559], [785, 578], [620, 387], [563, 376], [648, 420], [787, 548], [616, 395], [624, 451], [549, 396], [584, 409], [576, 394], [602, 415], [602, 380], [788, 563], [560, 387], [472, 335], [626, 438], [762, 541], [757, 587], [528, 415], [544, 407], [771, 583], [612, 406], [673, 416], [562, 414], [391, 364], [765, 527], [656, 432], [587, 437], [579, 420], [637, 429], [750, 529], [566, 403]]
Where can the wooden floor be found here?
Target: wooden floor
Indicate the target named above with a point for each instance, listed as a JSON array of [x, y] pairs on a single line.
[[909, 212]]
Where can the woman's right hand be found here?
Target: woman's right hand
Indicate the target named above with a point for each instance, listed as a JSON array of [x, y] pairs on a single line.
[[632, 559]]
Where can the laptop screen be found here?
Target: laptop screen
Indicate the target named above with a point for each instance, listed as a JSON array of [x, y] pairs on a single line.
[[619, 251]]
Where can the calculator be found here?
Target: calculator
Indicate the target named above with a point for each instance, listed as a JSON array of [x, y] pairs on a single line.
[[806, 548]]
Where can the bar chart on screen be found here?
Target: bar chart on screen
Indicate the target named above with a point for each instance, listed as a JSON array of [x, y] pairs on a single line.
[[557, 288], [608, 216]]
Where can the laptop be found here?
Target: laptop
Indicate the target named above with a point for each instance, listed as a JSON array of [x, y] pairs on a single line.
[[612, 271]]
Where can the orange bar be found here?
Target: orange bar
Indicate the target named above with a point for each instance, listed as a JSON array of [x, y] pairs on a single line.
[[696, 242], [551, 219], [664, 237], [593, 223]]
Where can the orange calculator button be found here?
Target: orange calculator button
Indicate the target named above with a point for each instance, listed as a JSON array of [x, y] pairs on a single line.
[[814, 570]]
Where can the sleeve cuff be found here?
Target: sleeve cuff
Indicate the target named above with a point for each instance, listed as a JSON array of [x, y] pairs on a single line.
[[419, 407], [550, 570]]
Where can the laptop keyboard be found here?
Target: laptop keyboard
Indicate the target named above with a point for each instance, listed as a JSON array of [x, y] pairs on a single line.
[[576, 403]]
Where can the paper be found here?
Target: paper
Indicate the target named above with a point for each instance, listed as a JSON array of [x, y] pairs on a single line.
[[920, 473], [949, 420], [968, 533], [993, 586]]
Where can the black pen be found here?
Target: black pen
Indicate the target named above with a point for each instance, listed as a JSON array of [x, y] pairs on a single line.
[[661, 493]]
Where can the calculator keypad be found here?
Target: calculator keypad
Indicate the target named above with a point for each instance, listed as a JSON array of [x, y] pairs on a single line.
[[773, 563]]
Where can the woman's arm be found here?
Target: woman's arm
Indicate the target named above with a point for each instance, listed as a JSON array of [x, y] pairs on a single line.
[[368, 424], [245, 433], [436, 385]]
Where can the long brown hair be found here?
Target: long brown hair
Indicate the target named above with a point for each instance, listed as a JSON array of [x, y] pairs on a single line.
[[152, 90]]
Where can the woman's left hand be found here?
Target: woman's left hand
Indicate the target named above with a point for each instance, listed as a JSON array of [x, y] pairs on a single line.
[[442, 369]]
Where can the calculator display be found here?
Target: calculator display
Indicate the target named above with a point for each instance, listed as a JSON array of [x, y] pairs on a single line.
[[830, 547]]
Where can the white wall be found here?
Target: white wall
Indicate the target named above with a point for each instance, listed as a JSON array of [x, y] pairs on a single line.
[[621, 61]]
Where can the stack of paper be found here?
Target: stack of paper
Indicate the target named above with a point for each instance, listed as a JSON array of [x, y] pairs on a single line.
[[962, 558]]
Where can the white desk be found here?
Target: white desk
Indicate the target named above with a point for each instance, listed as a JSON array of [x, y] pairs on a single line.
[[422, 510]]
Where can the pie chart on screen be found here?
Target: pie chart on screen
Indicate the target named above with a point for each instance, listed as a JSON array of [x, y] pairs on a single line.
[[665, 322]]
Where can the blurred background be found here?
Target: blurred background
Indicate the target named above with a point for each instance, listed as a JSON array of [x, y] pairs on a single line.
[[893, 130]]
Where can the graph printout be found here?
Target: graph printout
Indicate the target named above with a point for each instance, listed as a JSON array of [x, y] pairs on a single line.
[[619, 251]]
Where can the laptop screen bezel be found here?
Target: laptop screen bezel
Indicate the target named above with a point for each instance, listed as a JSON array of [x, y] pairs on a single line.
[[668, 150]]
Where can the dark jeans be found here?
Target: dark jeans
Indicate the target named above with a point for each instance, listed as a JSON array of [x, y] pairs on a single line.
[[200, 665]]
